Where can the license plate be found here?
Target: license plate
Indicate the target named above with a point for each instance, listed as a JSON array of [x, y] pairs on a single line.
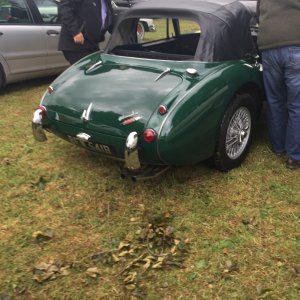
[[102, 148]]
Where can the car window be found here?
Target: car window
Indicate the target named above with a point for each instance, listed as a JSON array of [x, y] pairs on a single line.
[[163, 29], [188, 26], [14, 12], [48, 11], [158, 38]]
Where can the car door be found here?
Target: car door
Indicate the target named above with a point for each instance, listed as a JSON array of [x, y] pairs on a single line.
[[22, 46], [50, 24]]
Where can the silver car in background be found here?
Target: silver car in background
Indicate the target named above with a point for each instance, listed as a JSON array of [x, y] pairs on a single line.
[[29, 32]]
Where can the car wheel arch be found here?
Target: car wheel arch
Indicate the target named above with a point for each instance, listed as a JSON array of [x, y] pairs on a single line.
[[256, 92]]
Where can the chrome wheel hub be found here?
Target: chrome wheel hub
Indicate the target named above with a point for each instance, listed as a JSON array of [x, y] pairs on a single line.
[[238, 132]]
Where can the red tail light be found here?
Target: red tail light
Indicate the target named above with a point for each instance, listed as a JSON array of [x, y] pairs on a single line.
[[43, 110], [50, 89], [149, 135], [39, 114], [162, 109]]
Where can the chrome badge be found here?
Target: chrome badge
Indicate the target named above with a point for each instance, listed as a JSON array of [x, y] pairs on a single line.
[[85, 117]]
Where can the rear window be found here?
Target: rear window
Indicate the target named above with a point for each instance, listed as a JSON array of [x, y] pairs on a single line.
[[159, 38]]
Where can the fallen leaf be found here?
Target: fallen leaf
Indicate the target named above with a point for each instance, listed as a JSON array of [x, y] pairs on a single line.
[[93, 272], [49, 271], [123, 245], [41, 267], [41, 236], [130, 287], [157, 265], [115, 257], [147, 265], [130, 278], [123, 253]]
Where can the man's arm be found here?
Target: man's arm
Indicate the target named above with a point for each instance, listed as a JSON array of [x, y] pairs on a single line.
[[66, 11]]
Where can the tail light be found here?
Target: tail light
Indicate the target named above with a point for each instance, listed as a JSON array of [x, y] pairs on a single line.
[[39, 114], [149, 135], [50, 89], [162, 109]]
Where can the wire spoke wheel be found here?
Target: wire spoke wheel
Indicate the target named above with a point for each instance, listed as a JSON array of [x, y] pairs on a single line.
[[238, 133]]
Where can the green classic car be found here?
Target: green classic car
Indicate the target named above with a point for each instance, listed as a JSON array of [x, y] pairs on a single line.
[[190, 91]]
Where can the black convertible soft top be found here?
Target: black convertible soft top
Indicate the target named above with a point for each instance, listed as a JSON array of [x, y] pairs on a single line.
[[225, 24]]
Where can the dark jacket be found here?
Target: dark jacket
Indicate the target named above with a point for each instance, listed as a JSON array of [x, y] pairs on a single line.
[[82, 16], [279, 23]]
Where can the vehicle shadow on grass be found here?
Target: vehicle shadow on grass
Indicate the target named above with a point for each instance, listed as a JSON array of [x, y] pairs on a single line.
[[179, 174], [26, 85]]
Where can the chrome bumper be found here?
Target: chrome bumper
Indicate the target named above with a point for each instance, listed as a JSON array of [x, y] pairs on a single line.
[[37, 129], [38, 132], [132, 161], [133, 168]]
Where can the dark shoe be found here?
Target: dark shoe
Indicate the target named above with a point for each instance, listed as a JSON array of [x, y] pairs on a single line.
[[292, 164]]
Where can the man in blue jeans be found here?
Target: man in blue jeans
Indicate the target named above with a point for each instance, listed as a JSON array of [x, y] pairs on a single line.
[[279, 43]]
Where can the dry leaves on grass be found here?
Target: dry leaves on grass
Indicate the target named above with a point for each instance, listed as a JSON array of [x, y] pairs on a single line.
[[153, 246], [50, 271]]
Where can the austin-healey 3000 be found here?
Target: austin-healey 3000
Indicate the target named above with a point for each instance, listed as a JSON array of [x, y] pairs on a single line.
[[190, 91]]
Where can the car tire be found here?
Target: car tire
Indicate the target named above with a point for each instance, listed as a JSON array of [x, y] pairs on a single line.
[[1, 77], [235, 134], [140, 31]]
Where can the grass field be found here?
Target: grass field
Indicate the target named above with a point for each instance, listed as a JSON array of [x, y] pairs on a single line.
[[70, 228]]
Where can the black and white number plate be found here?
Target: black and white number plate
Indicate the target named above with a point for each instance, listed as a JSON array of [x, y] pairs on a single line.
[[105, 149]]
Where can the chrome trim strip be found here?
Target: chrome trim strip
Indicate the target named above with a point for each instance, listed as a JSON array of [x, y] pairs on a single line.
[[98, 63], [165, 72]]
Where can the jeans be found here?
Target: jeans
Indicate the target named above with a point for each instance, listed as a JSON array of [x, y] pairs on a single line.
[[281, 72]]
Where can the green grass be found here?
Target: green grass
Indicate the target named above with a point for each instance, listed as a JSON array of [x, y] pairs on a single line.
[[243, 226]]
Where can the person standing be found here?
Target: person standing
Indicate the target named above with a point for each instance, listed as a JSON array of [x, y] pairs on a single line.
[[84, 23], [279, 43]]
